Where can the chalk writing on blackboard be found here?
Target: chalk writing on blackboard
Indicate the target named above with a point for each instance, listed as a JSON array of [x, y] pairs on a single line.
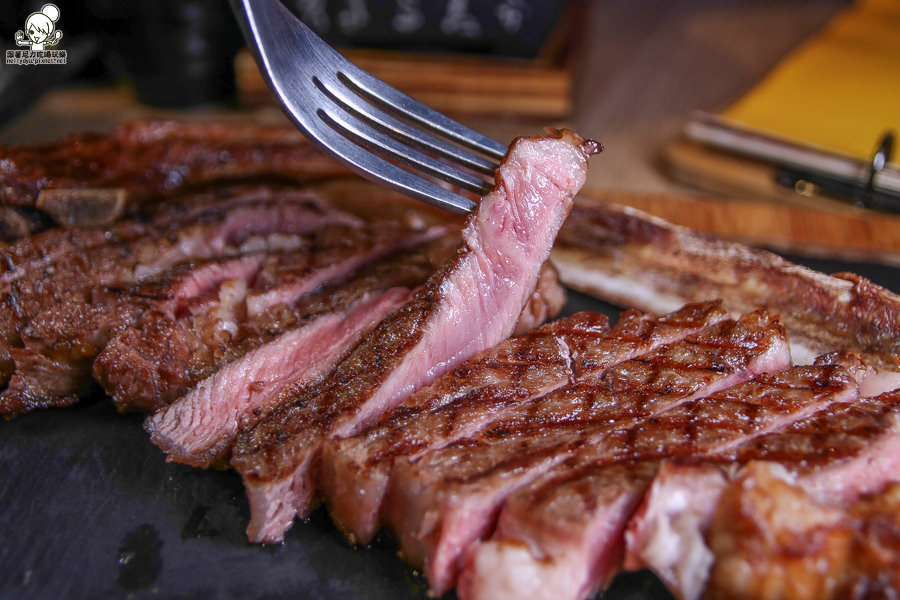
[[314, 13], [409, 16], [355, 17], [459, 21], [511, 14]]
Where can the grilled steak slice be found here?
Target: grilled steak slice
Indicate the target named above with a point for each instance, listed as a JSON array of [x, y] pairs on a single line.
[[471, 304], [839, 453], [148, 159], [447, 500], [634, 259], [666, 534], [62, 342], [844, 450], [65, 339], [73, 277], [355, 470], [826, 461], [150, 366], [200, 428], [569, 557]]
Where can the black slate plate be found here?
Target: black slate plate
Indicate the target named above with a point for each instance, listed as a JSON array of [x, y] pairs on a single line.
[[89, 509]]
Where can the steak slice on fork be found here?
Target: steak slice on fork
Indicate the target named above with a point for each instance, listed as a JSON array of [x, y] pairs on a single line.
[[471, 304]]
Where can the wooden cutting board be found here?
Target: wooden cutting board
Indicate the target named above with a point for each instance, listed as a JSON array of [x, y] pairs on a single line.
[[856, 234]]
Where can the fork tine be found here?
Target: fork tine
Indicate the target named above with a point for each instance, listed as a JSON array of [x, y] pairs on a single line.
[[361, 103], [379, 92], [354, 120], [378, 143], [363, 161], [354, 131]]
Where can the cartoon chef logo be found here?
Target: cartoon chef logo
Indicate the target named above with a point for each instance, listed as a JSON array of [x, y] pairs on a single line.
[[40, 29]]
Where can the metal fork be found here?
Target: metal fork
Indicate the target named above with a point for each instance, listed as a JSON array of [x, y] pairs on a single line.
[[362, 121]]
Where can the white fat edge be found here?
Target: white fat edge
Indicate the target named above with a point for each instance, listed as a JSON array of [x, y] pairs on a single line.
[[231, 293], [882, 380], [614, 288]]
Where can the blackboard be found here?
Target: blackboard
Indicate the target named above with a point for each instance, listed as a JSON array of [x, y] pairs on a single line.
[[495, 27]]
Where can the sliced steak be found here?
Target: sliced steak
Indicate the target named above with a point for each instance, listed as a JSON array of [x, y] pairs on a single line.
[[151, 365], [447, 500], [73, 277], [839, 453], [61, 342], [559, 553], [633, 259], [666, 535], [471, 304], [199, 428], [484, 389], [572, 558]]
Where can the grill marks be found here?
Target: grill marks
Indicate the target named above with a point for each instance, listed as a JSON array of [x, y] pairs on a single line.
[[445, 501], [470, 305]]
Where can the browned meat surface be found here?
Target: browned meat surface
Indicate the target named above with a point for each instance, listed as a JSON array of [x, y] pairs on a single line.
[[152, 364], [633, 259], [48, 278], [573, 557], [447, 500], [484, 389], [200, 428], [147, 160], [772, 539], [471, 304]]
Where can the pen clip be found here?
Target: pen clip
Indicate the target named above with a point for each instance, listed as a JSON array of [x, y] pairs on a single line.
[[860, 193]]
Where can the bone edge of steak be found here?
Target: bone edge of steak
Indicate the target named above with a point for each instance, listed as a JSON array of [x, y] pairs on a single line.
[[253, 387], [623, 255], [516, 222]]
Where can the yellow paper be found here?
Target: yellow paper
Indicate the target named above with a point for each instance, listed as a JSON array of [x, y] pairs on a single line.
[[840, 90]]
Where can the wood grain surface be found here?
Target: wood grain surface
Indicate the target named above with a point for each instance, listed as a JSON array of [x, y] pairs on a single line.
[[853, 234]]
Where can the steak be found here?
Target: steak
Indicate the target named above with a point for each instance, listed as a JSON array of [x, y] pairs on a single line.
[[471, 304], [151, 365], [484, 389], [146, 160], [447, 500], [572, 544], [61, 342], [630, 258], [842, 451], [121, 262], [199, 428], [574, 555]]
